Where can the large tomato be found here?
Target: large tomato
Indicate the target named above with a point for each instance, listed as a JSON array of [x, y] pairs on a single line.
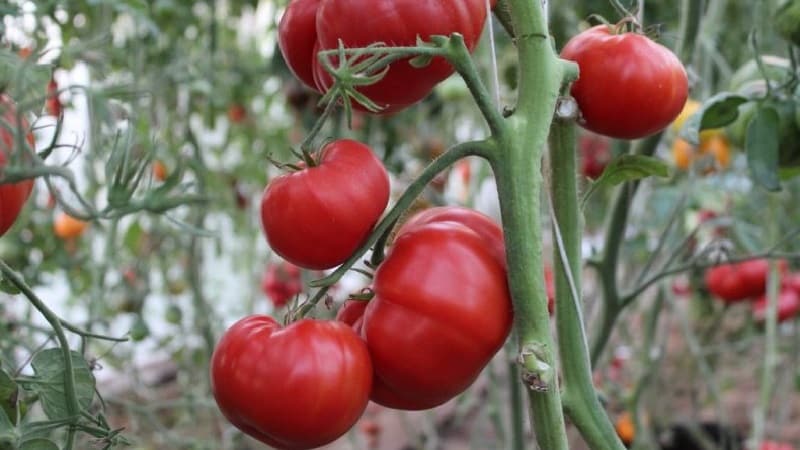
[[441, 311], [738, 281], [359, 23], [629, 86], [296, 387], [317, 217], [12, 195]]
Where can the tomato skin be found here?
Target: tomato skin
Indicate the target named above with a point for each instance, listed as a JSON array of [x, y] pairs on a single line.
[[441, 310], [788, 306], [629, 86], [297, 35], [352, 313], [480, 223], [309, 26], [296, 387], [281, 282], [317, 217], [12, 195]]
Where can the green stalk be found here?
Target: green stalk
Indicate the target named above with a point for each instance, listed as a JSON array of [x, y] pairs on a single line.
[[580, 399], [517, 169]]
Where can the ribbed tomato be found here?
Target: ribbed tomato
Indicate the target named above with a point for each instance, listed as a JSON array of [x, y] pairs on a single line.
[[296, 387]]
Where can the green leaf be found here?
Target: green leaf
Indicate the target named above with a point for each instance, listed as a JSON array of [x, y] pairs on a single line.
[[39, 444], [133, 238], [629, 168], [762, 148], [7, 433], [718, 111], [8, 396], [48, 366]]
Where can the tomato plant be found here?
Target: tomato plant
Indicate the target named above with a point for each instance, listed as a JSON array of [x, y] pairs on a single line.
[[12, 195], [629, 86], [310, 26], [296, 387], [441, 310], [317, 216]]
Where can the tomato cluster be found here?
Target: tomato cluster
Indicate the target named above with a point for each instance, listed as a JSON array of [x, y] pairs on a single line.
[[310, 26], [747, 281], [629, 86], [12, 195], [281, 282]]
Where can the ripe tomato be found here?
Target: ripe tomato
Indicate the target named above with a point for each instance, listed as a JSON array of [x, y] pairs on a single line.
[[281, 282], [480, 223], [317, 217], [159, 170], [12, 195], [629, 86], [68, 227], [788, 306], [626, 430], [296, 387], [792, 281], [739, 281], [53, 103], [595, 152], [309, 26], [352, 313], [441, 311], [236, 113]]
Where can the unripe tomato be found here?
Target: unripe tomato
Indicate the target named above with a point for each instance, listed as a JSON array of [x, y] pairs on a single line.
[[629, 86], [441, 311], [68, 227], [294, 387], [317, 217], [12, 195]]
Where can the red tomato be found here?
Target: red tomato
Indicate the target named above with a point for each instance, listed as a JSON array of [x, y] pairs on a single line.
[[312, 25], [788, 306], [792, 282], [352, 313], [629, 86], [739, 281], [296, 387], [440, 292], [595, 151], [317, 217], [237, 113], [481, 224], [12, 195], [772, 445], [281, 282], [53, 104]]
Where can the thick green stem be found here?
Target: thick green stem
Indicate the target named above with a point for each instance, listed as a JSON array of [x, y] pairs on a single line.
[[580, 399], [517, 408], [519, 180]]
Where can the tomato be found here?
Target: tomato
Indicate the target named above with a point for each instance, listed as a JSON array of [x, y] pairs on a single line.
[[296, 387], [788, 306], [317, 217], [352, 313], [772, 445], [595, 151], [159, 170], [791, 281], [53, 104], [480, 223], [12, 195], [236, 113], [281, 282], [629, 86], [68, 227], [739, 281], [714, 151], [441, 310], [309, 26], [626, 430]]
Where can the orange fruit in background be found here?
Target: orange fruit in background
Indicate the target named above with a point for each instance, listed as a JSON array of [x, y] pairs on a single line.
[[713, 143], [67, 227], [159, 170], [626, 430], [691, 107], [682, 154]]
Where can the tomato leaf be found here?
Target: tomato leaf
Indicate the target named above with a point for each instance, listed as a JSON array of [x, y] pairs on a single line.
[[628, 168], [7, 433], [762, 147], [718, 111], [8, 396], [38, 444], [48, 367]]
